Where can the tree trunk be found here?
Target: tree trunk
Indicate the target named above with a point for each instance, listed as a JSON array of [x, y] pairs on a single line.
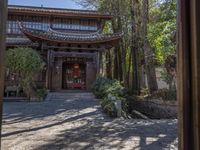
[[120, 64], [124, 65], [148, 53], [129, 70], [134, 48], [120, 52], [116, 53], [108, 65], [150, 69], [116, 67]]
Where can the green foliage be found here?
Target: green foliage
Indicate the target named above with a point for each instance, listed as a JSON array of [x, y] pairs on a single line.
[[166, 77], [110, 91], [101, 85], [131, 18], [109, 107], [107, 28], [41, 93], [25, 62], [162, 28], [166, 94]]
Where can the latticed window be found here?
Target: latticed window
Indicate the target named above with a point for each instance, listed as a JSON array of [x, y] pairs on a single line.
[[34, 22], [43, 23], [74, 24], [13, 27], [92, 25]]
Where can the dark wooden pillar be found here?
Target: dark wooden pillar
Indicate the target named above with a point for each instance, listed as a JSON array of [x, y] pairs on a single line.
[[3, 18], [195, 67], [101, 62], [189, 74], [91, 72], [49, 70], [98, 62], [57, 74]]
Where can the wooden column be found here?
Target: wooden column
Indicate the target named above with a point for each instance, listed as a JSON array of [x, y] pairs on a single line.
[[98, 62], [91, 72], [57, 75], [189, 74], [3, 19], [101, 62], [195, 57], [49, 70]]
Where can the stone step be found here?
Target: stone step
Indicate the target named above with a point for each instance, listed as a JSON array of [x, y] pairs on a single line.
[[65, 96]]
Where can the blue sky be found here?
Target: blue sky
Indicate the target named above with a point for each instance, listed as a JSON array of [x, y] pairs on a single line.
[[71, 4]]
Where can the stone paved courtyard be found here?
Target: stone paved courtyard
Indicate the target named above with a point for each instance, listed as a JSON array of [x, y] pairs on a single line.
[[75, 122]]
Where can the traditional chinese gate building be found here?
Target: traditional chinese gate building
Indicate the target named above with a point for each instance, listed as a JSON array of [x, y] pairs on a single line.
[[69, 41]]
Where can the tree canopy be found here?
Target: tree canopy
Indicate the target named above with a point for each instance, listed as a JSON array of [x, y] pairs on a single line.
[[162, 28], [149, 28]]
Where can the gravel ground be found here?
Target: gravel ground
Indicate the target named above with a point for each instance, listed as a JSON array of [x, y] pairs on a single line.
[[75, 122]]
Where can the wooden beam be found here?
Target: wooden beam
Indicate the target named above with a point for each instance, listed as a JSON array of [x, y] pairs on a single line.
[[73, 48], [73, 54], [3, 19], [188, 74]]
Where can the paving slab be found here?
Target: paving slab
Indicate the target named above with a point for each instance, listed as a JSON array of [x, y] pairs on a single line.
[[74, 121]]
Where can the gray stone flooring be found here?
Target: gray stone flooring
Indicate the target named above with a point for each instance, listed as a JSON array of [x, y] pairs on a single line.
[[75, 122]]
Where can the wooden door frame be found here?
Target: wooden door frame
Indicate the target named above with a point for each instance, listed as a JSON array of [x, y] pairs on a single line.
[[52, 55], [188, 46], [3, 18]]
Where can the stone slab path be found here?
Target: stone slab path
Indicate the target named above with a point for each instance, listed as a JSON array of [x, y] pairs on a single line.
[[75, 122]]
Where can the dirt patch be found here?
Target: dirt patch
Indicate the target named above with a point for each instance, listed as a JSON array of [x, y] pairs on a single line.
[[156, 109]]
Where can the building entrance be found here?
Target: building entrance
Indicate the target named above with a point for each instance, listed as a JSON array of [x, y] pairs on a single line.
[[74, 75]]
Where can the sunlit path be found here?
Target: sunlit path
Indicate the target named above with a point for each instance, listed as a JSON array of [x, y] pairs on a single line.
[[75, 121]]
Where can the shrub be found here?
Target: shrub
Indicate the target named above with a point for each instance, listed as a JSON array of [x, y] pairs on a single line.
[[166, 94], [100, 86], [108, 106], [25, 63], [41, 93], [110, 91]]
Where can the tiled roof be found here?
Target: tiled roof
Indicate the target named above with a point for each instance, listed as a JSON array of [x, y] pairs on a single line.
[[57, 11], [60, 37]]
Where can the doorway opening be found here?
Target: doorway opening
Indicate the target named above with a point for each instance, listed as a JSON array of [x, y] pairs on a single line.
[[74, 75]]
